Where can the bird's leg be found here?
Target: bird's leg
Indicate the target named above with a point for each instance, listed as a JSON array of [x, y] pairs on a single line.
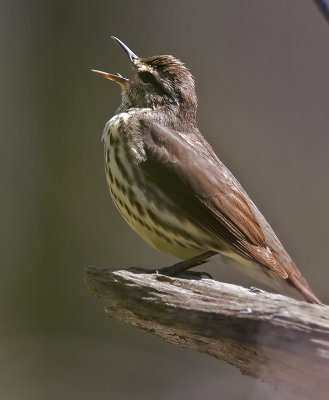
[[181, 267], [184, 265]]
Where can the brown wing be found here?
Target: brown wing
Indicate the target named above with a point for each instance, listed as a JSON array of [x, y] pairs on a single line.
[[186, 167]]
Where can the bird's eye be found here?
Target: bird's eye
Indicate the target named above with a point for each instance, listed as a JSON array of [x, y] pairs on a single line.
[[147, 77], [157, 86]]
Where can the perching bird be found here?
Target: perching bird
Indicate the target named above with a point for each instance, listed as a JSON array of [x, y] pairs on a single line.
[[170, 186]]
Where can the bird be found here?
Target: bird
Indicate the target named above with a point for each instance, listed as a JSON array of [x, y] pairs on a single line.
[[171, 188]]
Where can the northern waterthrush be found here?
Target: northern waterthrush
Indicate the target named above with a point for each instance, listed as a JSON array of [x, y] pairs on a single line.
[[170, 186]]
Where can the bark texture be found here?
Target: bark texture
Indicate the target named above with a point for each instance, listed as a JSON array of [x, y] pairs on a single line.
[[281, 341]]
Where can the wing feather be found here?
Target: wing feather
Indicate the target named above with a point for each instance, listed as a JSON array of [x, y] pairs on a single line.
[[207, 192]]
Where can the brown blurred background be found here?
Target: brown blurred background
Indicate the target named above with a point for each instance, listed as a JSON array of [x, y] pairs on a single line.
[[261, 71]]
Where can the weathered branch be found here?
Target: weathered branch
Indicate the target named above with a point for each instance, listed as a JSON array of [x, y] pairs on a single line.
[[277, 339]]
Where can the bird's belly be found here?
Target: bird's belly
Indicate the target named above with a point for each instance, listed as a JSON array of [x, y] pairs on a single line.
[[146, 209], [155, 222], [163, 240]]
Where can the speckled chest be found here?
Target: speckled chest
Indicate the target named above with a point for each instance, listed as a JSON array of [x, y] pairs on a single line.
[[122, 155], [149, 211]]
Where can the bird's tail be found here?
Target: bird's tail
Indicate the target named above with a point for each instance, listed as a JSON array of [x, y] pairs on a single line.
[[294, 286]]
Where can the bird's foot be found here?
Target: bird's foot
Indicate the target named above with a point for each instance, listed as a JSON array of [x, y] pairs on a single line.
[[182, 267]]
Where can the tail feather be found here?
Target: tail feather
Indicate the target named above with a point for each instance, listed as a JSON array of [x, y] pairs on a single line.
[[293, 286], [303, 287]]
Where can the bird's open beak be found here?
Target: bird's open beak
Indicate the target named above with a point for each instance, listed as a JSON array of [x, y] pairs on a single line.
[[132, 56], [118, 78], [115, 78]]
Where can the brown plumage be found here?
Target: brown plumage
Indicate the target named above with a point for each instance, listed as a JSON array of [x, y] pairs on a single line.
[[170, 186]]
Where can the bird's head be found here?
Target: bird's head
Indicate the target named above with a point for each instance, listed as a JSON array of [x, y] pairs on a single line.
[[157, 82]]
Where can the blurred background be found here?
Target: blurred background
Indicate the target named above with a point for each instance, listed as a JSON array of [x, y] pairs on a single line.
[[261, 70]]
